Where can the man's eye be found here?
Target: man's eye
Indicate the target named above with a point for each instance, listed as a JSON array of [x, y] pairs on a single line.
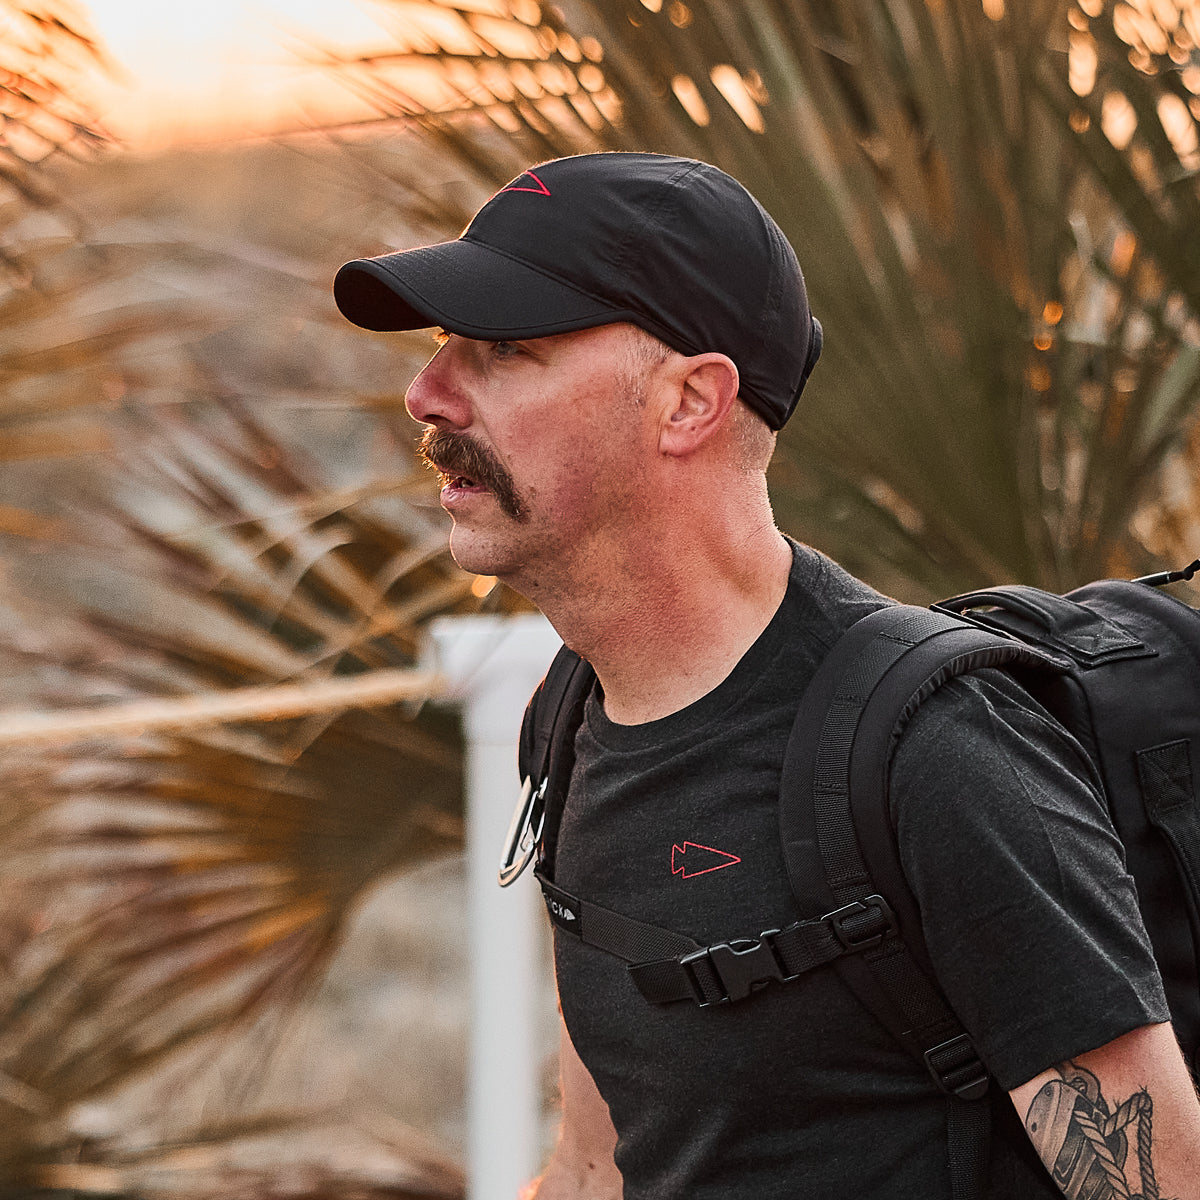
[[505, 349]]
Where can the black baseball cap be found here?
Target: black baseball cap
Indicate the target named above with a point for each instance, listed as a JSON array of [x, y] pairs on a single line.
[[672, 245]]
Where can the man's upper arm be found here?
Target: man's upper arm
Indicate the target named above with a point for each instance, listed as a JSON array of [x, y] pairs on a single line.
[[582, 1166], [1126, 1113]]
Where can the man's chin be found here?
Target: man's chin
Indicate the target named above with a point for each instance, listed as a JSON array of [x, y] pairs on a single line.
[[479, 553]]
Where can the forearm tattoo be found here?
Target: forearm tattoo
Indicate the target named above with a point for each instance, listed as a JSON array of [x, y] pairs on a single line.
[[1086, 1144]]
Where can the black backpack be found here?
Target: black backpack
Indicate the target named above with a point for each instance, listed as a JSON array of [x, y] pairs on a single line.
[[1117, 662]]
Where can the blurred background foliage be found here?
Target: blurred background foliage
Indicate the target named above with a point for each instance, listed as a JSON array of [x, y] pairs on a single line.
[[209, 482]]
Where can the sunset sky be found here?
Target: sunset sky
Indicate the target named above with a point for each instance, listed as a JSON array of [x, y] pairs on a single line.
[[202, 68]]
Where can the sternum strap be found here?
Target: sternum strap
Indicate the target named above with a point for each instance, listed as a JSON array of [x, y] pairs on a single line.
[[666, 966]]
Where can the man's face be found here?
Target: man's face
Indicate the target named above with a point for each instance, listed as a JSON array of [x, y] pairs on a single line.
[[540, 444]]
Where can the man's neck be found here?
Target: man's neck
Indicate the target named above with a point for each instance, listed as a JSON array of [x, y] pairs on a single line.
[[662, 634]]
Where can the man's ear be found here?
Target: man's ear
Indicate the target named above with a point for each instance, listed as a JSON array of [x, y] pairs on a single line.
[[704, 388]]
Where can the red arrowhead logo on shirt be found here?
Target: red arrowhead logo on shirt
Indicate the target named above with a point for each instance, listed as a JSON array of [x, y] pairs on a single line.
[[700, 859]]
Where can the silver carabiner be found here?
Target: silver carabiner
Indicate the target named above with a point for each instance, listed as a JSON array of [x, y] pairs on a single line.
[[522, 841]]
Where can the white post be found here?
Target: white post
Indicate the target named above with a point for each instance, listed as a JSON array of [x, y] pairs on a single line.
[[491, 665]]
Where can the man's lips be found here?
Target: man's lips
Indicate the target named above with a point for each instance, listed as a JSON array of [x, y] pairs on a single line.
[[465, 464], [462, 483]]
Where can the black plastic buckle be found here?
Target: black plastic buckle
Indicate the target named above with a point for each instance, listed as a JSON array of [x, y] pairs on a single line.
[[739, 968], [957, 1068], [862, 937]]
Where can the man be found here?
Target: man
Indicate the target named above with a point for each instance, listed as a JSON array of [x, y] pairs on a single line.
[[622, 336]]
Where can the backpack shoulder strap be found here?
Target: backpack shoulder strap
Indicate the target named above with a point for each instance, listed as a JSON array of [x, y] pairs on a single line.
[[840, 847], [546, 753]]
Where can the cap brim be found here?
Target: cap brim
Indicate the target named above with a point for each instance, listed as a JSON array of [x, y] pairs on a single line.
[[467, 288]]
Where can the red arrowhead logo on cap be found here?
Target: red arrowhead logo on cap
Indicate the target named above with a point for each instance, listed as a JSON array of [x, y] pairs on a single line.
[[700, 861], [527, 182]]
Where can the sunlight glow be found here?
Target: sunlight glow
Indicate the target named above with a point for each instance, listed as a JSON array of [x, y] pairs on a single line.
[[1081, 63], [224, 67], [729, 82], [1117, 119], [1180, 128], [679, 14], [688, 94]]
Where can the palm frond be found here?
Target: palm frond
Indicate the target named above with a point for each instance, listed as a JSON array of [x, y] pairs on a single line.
[[205, 870]]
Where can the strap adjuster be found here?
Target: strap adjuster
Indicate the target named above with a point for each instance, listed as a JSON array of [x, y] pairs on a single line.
[[862, 924], [737, 968], [957, 1068]]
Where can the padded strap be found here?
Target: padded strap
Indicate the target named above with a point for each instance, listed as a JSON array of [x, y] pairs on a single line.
[[545, 756], [547, 750], [838, 837]]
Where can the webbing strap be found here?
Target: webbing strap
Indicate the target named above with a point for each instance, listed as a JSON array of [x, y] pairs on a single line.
[[928, 1019], [667, 966], [969, 1132], [625, 937]]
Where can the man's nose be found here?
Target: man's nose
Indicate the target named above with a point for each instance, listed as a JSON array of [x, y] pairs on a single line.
[[432, 397]]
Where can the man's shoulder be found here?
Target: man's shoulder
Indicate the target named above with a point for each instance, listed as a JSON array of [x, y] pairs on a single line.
[[987, 711]]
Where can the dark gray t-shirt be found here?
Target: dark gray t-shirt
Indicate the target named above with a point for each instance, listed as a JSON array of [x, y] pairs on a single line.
[[1030, 917]]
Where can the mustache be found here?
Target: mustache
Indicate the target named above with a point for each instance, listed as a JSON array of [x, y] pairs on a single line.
[[455, 455]]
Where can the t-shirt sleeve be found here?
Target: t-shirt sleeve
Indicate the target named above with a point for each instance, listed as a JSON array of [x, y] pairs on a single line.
[[1030, 916]]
